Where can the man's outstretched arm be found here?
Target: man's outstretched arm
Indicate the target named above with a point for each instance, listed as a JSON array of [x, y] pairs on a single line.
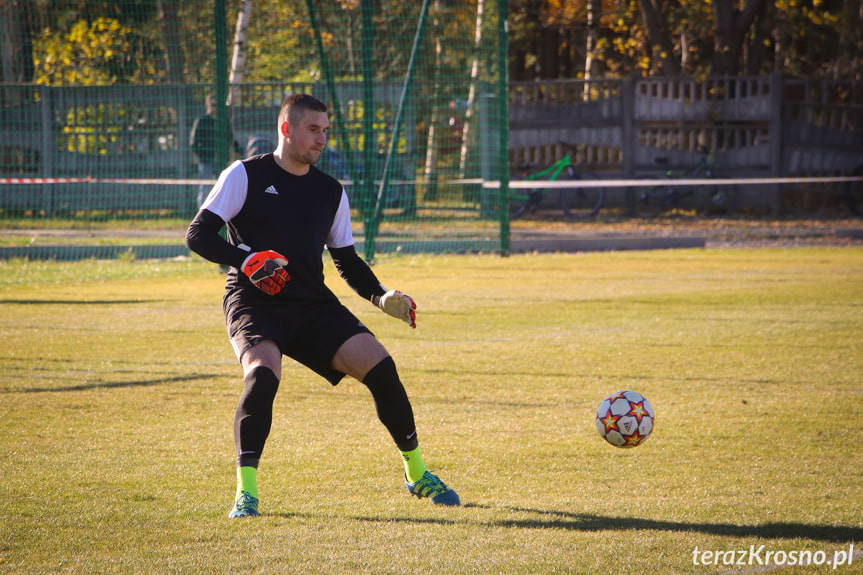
[[363, 280]]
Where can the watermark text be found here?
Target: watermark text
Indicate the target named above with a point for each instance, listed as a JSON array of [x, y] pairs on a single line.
[[761, 555]]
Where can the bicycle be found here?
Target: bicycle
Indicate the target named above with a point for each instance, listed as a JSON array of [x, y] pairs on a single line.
[[575, 202], [706, 199]]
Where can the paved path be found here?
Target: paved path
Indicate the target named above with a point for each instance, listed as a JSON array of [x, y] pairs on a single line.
[[535, 237]]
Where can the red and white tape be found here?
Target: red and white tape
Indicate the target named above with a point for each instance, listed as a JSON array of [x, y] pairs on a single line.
[[490, 184], [89, 180]]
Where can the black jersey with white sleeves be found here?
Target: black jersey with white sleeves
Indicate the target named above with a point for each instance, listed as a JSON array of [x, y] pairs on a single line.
[[268, 208]]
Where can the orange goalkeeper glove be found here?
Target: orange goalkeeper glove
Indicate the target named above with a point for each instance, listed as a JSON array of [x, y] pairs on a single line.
[[266, 270]]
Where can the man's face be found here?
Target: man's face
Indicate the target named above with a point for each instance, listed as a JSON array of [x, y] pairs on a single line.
[[306, 140]]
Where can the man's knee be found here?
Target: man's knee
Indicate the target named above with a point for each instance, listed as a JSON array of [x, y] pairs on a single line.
[[259, 393], [358, 355], [264, 354]]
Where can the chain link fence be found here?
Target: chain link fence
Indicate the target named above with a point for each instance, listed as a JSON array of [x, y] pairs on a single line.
[[117, 117]]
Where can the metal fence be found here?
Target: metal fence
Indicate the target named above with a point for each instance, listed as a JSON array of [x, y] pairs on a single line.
[[417, 120]]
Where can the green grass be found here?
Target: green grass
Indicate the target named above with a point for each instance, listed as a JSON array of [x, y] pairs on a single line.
[[118, 388]]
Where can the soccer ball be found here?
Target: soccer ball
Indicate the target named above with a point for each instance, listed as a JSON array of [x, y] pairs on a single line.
[[625, 419]]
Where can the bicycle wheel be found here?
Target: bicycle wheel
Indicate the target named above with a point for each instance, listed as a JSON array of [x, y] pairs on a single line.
[[854, 193], [716, 199], [523, 202], [581, 203], [650, 202]]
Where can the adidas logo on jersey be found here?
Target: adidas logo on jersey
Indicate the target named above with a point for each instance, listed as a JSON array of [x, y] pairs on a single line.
[[271, 190]]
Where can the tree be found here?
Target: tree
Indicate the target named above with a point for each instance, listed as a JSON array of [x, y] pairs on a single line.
[[169, 23], [238, 60], [656, 22], [89, 54], [731, 26], [850, 41], [16, 42], [725, 37], [548, 38], [799, 29], [153, 41], [594, 17]]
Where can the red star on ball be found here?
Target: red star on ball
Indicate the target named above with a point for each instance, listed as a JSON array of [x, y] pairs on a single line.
[[634, 439], [609, 421], [637, 409]]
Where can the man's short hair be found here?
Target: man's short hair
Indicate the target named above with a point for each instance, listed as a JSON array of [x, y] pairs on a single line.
[[295, 106]]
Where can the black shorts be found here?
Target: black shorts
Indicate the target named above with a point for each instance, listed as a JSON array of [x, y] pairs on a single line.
[[311, 334]]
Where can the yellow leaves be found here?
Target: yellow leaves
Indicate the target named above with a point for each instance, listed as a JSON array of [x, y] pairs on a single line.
[[328, 39], [89, 54], [563, 12], [644, 63]]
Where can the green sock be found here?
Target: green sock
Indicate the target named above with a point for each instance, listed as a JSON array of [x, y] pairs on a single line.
[[415, 467], [247, 480]]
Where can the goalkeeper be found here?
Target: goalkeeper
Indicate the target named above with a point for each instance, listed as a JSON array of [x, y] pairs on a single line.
[[281, 211]]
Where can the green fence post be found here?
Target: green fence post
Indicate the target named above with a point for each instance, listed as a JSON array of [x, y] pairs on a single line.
[[503, 119], [223, 146], [220, 35], [367, 185]]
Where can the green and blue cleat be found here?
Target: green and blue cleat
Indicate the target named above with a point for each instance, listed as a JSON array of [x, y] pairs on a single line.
[[244, 506], [435, 489]]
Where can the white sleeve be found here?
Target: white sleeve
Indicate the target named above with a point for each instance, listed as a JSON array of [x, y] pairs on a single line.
[[227, 197], [341, 235]]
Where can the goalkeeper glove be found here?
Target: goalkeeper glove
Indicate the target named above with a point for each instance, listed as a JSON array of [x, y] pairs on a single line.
[[266, 270], [400, 306]]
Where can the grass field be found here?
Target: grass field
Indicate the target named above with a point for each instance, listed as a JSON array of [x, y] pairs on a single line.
[[118, 388]]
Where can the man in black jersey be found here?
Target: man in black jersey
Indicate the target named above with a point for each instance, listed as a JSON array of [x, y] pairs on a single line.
[[281, 211]]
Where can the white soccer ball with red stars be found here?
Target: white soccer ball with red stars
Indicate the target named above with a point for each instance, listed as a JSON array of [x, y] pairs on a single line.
[[625, 419]]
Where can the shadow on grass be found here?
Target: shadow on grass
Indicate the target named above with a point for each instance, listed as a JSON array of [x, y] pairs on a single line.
[[113, 384], [586, 522], [551, 519]]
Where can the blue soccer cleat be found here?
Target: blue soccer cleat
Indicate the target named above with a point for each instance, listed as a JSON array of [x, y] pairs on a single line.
[[244, 506], [430, 486]]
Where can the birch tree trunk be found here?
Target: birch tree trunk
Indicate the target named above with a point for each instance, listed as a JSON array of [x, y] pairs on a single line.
[[594, 15], [238, 59], [474, 78], [430, 171]]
